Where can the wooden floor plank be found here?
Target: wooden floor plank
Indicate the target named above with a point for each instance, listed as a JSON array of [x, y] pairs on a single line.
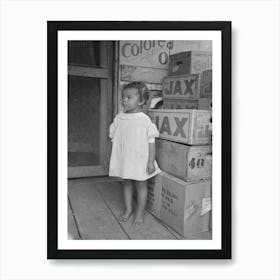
[[198, 236], [177, 235], [94, 219], [110, 196], [152, 229], [207, 235], [74, 181], [72, 228]]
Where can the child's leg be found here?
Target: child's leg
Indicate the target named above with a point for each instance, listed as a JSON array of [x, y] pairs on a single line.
[[127, 190], [141, 187]]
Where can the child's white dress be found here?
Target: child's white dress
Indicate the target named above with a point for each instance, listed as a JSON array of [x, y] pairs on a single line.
[[131, 135]]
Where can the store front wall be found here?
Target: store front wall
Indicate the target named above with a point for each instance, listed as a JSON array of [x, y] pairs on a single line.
[[97, 70], [148, 60]]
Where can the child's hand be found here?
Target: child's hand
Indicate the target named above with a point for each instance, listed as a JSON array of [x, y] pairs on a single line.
[[150, 167]]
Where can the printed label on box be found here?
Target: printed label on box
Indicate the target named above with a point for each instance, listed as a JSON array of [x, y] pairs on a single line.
[[167, 200], [206, 205], [175, 126], [189, 211], [206, 84], [181, 87]]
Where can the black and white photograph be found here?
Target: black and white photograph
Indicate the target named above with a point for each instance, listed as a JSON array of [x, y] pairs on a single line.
[[136, 123], [139, 140], [153, 153]]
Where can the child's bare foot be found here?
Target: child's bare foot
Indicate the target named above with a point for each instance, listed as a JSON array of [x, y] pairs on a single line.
[[138, 222], [125, 216]]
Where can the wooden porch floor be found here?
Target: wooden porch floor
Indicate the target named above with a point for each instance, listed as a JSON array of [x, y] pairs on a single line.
[[94, 206]]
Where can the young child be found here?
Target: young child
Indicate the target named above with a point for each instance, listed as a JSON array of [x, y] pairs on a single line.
[[133, 151]]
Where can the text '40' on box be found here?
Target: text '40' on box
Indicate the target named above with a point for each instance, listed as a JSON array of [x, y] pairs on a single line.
[[192, 127], [188, 163]]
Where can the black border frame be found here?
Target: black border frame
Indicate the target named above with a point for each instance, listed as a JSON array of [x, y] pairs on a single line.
[[52, 117]]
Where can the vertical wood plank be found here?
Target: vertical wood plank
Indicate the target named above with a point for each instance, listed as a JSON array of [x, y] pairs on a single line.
[[110, 92], [103, 122]]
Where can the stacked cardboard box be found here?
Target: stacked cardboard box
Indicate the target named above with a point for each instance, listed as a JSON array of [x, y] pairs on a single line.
[[181, 195], [184, 206], [192, 127], [187, 163], [189, 81]]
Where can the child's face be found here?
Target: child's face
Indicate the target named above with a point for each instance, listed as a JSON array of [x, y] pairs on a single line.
[[130, 100]]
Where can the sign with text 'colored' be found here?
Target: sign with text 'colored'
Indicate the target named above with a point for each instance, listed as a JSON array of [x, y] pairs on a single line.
[[147, 53]]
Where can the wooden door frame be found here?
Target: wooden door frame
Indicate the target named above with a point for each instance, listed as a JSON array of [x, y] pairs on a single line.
[[105, 74]]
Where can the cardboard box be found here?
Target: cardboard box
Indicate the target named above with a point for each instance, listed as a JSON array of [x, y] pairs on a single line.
[[205, 103], [210, 222], [169, 103], [190, 62], [192, 127], [181, 205], [182, 87], [205, 84], [192, 86], [185, 162]]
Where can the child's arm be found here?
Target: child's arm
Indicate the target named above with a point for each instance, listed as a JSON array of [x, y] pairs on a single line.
[[151, 160]]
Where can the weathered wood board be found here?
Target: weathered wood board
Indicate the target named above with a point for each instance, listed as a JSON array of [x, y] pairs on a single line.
[[131, 73], [151, 229], [147, 53], [94, 218], [72, 228], [97, 206], [156, 53], [170, 103]]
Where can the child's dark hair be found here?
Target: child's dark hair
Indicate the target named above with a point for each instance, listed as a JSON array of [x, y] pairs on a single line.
[[142, 90]]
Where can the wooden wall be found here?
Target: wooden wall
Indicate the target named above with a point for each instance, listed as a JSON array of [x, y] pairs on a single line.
[[147, 61]]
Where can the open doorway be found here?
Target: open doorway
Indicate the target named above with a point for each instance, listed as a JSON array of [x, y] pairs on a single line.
[[90, 73]]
